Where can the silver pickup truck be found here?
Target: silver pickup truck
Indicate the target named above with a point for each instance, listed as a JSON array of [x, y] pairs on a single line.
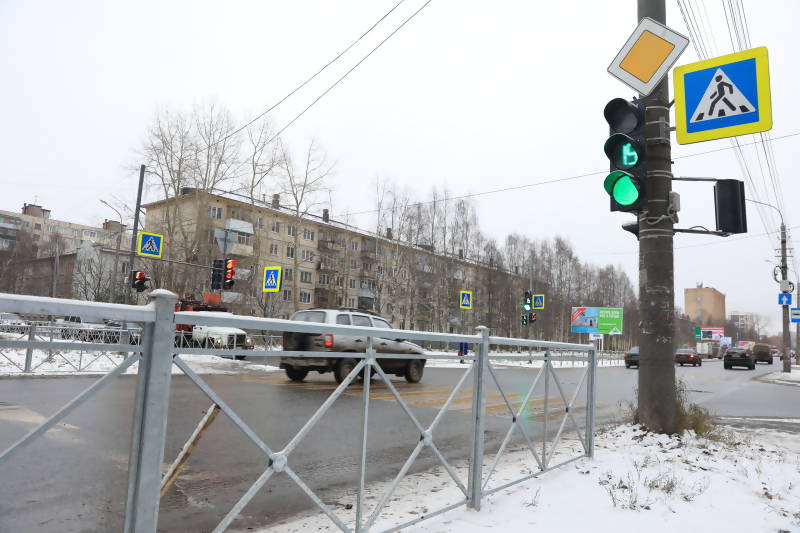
[[297, 368]]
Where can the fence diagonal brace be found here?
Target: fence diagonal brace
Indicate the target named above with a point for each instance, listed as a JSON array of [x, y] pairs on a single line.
[[315, 499], [244, 500], [389, 493], [214, 397], [568, 414]]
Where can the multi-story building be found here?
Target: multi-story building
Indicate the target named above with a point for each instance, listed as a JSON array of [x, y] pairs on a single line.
[[325, 264], [743, 321], [53, 236], [705, 305]]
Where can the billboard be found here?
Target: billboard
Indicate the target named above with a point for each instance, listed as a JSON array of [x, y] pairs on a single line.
[[602, 320], [709, 333]]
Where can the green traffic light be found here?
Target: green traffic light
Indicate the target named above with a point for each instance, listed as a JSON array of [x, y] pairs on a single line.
[[621, 188], [630, 157]]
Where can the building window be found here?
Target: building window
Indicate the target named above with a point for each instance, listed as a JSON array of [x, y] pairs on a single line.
[[287, 295], [288, 274], [274, 248], [290, 252], [380, 269], [339, 283], [276, 226], [352, 283], [324, 279], [351, 303], [354, 245], [90, 234], [214, 211], [367, 266], [308, 234], [339, 301], [305, 276], [37, 226], [353, 264], [305, 297], [291, 230], [259, 222], [244, 238], [365, 284], [308, 255], [165, 215], [52, 229]]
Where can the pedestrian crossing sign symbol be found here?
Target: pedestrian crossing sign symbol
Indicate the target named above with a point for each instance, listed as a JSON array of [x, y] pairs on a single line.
[[150, 244], [465, 299], [538, 301], [272, 279], [723, 97]]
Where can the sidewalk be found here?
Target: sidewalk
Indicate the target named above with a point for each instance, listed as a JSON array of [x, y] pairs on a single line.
[[783, 378]]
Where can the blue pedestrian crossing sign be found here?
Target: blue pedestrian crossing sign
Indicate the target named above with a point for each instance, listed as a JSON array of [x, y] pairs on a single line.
[[465, 299], [538, 301], [272, 279], [149, 244], [785, 298], [723, 97]]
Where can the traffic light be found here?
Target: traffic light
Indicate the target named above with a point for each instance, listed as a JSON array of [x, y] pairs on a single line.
[[626, 149], [527, 301], [532, 317], [731, 213], [230, 272], [524, 319], [632, 227], [217, 273], [138, 280]]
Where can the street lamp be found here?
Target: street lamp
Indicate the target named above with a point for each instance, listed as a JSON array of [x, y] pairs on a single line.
[[119, 239]]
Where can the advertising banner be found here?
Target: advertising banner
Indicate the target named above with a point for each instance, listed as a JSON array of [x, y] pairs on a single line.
[[603, 320]]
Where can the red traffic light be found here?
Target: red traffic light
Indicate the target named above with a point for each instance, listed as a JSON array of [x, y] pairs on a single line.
[[230, 263], [139, 275]]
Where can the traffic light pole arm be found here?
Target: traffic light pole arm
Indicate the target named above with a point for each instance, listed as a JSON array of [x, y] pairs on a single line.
[[178, 262], [683, 178], [702, 232]]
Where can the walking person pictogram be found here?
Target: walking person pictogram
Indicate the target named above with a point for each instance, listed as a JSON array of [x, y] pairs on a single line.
[[721, 99]]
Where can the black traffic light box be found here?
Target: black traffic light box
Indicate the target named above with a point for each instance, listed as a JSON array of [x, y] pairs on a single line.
[[626, 149], [139, 280], [230, 272], [729, 206], [217, 274]]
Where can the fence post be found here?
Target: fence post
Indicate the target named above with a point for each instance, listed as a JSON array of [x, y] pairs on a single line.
[[590, 401], [478, 408], [369, 359], [29, 349], [150, 416]]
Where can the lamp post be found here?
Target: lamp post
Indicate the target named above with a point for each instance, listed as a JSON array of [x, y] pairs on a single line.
[[787, 343], [116, 253]]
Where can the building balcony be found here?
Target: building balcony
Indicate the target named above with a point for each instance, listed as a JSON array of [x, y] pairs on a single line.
[[329, 246], [241, 250]]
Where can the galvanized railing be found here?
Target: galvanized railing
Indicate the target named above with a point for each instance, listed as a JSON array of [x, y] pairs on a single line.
[[157, 351]]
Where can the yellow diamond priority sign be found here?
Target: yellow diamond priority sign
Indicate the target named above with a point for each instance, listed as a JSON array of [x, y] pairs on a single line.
[[647, 55]]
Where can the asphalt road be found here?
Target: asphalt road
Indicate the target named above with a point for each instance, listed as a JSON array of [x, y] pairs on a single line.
[[74, 479]]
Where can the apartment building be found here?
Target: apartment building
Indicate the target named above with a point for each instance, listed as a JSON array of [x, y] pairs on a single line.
[[705, 305], [743, 321], [325, 264], [53, 236]]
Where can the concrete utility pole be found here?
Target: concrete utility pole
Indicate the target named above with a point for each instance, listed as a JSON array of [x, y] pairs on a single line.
[[656, 407], [132, 257], [787, 342]]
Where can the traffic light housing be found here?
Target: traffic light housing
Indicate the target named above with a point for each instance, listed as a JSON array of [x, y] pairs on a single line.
[[729, 206], [230, 272], [524, 319], [139, 280], [532, 317], [632, 227], [217, 274], [527, 301], [626, 149]]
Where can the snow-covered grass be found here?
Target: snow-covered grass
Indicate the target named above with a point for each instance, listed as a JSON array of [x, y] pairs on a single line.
[[790, 378], [61, 362], [736, 480]]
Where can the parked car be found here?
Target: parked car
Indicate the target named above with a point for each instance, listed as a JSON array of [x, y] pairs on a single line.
[[687, 356], [738, 357], [12, 323], [297, 368], [221, 337], [762, 352], [631, 357]]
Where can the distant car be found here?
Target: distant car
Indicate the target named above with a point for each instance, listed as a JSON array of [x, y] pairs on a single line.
[[297, 368], [738, 357], [687, 356], [762, 352], [632, 357], [12, 322]]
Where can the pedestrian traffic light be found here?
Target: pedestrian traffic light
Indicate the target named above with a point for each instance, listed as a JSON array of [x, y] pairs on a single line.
[[524, 319], [532, 317], [626, 149], [230, 272], [527, 301], [731, 213], [138, 280], [217, 274]]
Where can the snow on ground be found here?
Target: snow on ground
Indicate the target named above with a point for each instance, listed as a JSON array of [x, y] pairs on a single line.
[[80, 363], [784, 378], [525, 363], [743, 480]]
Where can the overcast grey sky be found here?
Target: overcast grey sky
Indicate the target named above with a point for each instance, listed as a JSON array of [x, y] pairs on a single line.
[[472, 96]]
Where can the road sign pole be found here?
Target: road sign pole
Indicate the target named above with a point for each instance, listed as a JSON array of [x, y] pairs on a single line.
[[656, 270], [132, 256]]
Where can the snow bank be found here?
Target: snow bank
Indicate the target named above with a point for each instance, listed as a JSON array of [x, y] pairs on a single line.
[[744, 480], [784, 378]]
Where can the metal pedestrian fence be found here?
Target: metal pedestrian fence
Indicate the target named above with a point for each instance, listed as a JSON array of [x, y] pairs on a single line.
[[557, 408]]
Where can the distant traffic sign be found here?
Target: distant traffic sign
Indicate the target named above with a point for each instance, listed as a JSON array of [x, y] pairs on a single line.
[[150, 244], [272, 279], [723, 97], [785, 298], [538, 301], [647, 55], [465, 299], [794, 314]]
